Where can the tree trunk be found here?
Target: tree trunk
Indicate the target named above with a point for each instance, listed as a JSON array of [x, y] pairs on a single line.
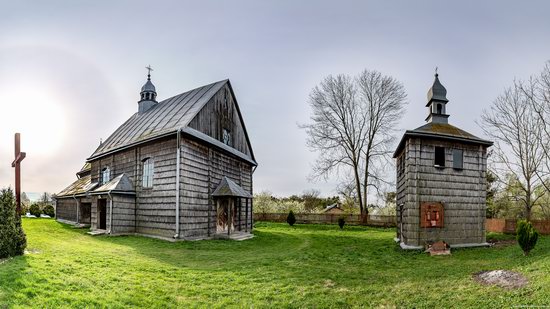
[[358, 186]]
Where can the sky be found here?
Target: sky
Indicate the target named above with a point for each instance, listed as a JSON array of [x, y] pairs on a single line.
[[71, 71]]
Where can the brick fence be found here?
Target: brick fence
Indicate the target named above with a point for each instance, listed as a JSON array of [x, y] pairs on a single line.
[[385, 221], [509, 226]]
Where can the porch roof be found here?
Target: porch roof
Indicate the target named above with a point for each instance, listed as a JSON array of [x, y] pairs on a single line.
[[228, 187], [120, 184], [79, 187]]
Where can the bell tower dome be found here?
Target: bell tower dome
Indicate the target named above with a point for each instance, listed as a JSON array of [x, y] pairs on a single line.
[[437, 102], [148, 94]]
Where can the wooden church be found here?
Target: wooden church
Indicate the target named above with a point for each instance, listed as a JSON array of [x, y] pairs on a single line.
[[178, 169], [441, 181]]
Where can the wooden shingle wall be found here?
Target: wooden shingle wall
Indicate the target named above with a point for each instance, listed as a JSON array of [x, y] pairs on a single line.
[[155, 209], [202, 168], [66, 209], [123, 214], [219, 113], [156, 206], [462, 192]]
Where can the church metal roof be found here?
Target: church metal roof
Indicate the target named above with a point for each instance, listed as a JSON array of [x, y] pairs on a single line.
[[80, 187], [163, 119], [441, 131]]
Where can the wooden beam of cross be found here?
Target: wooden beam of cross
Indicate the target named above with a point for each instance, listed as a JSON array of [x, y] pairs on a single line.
[[19, 156], [149, 69]]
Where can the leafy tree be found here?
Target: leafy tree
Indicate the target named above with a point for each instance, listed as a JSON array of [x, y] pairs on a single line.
[[49, 210], [526, 236], [491, 192], [12, 238], [35, 210]]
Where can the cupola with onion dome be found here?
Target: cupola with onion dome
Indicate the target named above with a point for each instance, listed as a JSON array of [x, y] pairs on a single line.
[[437, 101], [148, 94]]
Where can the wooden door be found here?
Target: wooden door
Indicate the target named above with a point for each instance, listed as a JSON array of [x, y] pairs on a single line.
[[225, 216], [102, 214]]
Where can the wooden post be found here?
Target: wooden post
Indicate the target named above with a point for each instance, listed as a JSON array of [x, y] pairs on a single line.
[[210, 199], [229, 217], [246, 216], [19, 156]]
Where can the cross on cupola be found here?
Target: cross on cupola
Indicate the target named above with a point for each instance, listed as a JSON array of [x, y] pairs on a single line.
[[149, 69], [437, 102], [148, 94]]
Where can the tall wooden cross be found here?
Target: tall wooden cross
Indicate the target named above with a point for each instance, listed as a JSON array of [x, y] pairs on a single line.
[[19, 156]]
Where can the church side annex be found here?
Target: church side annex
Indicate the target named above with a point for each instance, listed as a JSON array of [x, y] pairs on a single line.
[[179, 169]]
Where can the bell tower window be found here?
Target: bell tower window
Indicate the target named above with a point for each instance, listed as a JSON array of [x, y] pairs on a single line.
[[439, 157], [439, 108]]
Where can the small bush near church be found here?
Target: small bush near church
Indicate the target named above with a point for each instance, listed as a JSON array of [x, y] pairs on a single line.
[[12, 238], [526, 236], [291, 219]]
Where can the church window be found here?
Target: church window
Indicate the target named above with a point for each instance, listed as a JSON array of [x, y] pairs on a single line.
[[439, 108], [439, 156], [226, 137], [458, 158], [105, 175], [148, 169]]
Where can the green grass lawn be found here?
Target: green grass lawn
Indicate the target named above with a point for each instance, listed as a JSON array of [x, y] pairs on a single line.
[[302, 266]]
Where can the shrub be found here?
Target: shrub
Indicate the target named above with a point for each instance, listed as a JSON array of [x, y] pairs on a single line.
[[35, 210], [49, 210], [291, 219], [341, 222], [526, 236], [12, 238]]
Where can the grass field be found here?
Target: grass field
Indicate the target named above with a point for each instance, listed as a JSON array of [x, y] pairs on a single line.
[[302, 266]]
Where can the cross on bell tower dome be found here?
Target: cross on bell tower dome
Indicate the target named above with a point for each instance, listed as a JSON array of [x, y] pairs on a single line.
[[437, 102], [148, 94]]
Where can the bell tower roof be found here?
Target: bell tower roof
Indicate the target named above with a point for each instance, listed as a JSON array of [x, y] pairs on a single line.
[[437, 92], [437, 102]]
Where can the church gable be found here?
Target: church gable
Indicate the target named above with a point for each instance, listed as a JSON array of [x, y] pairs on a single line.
[[221, 119]]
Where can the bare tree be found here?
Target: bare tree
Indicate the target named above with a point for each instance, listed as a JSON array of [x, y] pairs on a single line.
[[513, 123], [352, 127]]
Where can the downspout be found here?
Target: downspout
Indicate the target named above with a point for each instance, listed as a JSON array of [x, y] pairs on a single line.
[[110, 212], [178, 159], [77, 209]]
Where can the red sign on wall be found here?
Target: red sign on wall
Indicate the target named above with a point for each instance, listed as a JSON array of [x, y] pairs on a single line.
[[431, 214]]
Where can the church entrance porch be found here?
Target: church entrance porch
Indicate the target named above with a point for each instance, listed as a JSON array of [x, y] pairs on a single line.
[[232, 211]]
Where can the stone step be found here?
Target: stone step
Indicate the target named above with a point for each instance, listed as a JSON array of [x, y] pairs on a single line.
[[238, 236], [97, 232]]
